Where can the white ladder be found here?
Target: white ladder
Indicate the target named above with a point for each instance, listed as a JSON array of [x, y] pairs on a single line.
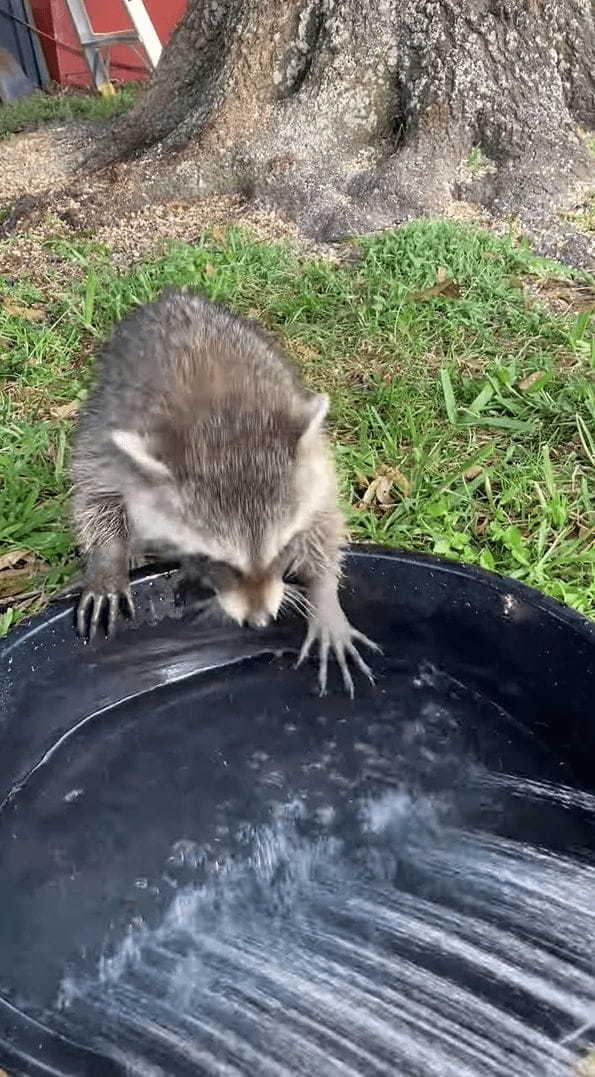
[[144, 34]]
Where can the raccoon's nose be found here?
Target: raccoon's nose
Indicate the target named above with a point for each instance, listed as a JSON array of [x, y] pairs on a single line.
[[259, 620]]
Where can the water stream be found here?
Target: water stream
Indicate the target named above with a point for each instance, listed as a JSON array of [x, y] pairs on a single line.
[[392, 941]]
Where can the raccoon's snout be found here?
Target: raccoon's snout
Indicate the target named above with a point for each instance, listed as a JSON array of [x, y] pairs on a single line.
[[259, 620], [254, 601]]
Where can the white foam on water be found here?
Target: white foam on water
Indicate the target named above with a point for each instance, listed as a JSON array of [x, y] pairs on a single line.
[[311, 955]]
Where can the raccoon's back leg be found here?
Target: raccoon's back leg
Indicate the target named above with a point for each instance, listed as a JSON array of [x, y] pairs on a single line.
[[103, 536]]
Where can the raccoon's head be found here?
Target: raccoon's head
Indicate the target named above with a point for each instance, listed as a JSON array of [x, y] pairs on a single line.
[[234, 495]]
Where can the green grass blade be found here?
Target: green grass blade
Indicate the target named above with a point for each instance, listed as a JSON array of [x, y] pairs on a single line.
[[449, 397]]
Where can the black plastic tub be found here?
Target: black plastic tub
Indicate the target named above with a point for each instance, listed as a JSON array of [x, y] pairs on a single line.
[[207, 869]]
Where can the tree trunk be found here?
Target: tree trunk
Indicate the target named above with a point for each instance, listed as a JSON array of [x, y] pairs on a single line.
[[352, 115]]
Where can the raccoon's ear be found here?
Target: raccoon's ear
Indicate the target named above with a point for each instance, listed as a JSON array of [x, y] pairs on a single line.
[[136, 449], [314, 412]]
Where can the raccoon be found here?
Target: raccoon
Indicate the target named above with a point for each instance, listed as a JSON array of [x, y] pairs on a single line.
[[200, 444]]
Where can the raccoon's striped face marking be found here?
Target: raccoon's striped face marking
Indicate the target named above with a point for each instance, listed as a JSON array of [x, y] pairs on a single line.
[[240, 507]]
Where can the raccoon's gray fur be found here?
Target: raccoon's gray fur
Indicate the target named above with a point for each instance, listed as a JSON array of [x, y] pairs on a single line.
[[199, 442]]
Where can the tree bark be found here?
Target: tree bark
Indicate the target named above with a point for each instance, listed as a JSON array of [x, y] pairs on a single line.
[[352, 115]]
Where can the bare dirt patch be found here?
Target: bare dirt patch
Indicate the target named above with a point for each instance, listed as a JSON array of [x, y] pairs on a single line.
[[42, 160], [43, 193]]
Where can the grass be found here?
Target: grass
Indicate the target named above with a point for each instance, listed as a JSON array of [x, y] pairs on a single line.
[[40, 108], [463, 410], [475, 159]]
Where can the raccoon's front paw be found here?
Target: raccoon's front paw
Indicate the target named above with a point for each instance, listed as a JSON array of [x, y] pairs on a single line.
[[101, 605], [333, 632]]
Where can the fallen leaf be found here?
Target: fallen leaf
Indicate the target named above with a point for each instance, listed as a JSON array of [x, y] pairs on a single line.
[[32, 314], [401, 481], [210, 269], [563, 294], [574, 294], [530, 380], [383, 487], [473, 366], [492, 255], [7, 560], [65, 411], [370, 493], [473, 472], [13, 581], [446, 288], [553, 283], [218, 234], [379, 488], [442, 274]]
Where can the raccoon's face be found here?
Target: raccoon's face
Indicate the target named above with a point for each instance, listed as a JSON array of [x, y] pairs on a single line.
[[253, 597], [243, 528]]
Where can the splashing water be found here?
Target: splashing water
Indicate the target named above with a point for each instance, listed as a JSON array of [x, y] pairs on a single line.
[[392, 941]]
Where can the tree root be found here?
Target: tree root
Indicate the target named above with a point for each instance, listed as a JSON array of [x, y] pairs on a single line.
[[332, 198], [351, 116]]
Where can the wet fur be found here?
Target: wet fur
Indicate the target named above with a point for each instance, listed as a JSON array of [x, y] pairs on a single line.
[[199, 441]]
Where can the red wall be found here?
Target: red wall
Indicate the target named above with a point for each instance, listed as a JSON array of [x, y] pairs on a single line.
[[69, 67]]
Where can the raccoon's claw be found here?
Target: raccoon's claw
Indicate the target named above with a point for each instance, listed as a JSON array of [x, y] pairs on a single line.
[[338, 636], [91, 610]]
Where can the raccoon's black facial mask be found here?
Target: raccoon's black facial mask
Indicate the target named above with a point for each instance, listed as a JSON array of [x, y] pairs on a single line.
[[220, 576]]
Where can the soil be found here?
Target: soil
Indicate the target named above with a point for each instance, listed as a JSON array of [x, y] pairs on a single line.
[[46, 162], [42, 160]]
